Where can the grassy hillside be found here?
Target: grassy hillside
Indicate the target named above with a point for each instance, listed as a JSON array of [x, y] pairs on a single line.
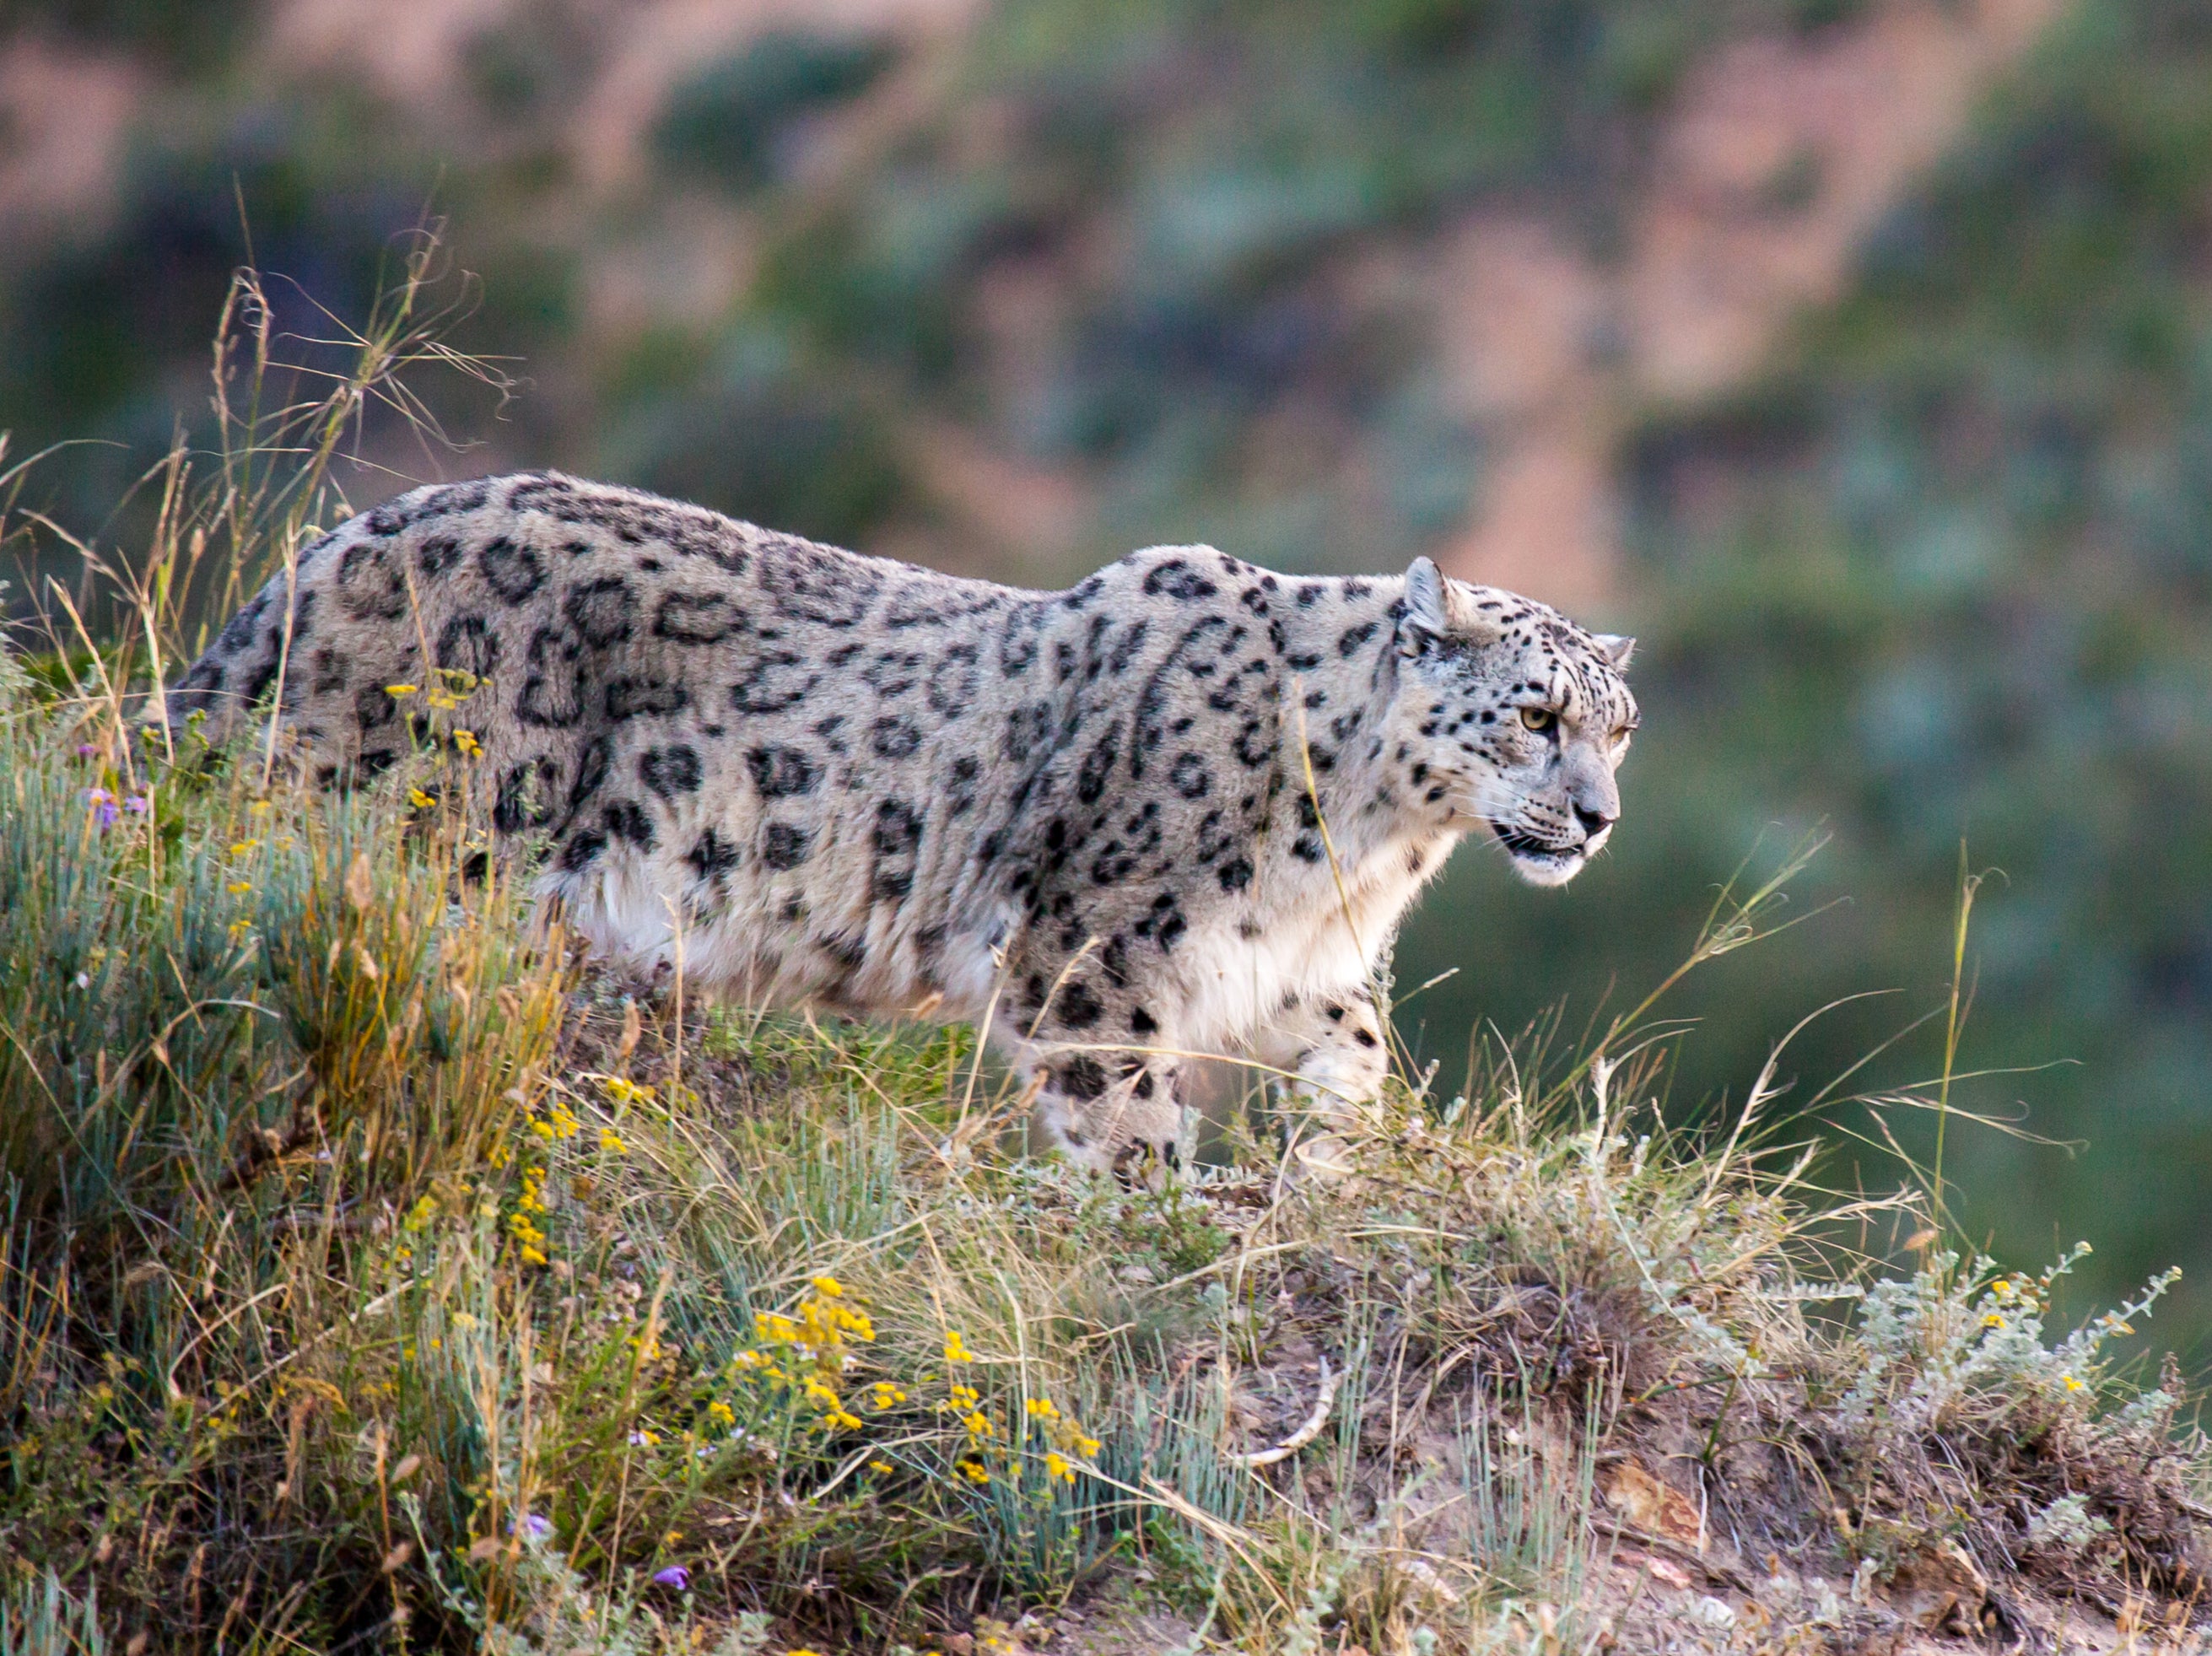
[[374, 1275], [1170, 271], [377, 1274]]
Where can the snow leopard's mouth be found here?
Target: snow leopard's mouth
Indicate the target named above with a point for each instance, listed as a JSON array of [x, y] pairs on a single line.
[[1539, 861]]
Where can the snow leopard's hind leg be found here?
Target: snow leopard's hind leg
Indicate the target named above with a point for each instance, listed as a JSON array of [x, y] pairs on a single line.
[[1331, 1053]]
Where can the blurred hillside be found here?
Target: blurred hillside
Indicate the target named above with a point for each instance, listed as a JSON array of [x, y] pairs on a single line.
[[1853, 353], [1941, 569]]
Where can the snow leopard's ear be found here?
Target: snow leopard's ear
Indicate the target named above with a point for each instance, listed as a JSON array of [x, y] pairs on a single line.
[[1447, 609], [1424, 598], [1618, 650]]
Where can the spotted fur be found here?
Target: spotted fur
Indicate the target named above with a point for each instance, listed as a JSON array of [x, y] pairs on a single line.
[[1177, 809]]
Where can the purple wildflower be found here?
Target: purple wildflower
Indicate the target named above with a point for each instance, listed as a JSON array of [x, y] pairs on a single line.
[[531, 1527], [104, 806], [85, 750], [137, 804], [674, 1576]]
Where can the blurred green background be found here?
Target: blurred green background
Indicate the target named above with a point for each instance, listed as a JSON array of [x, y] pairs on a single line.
[[1857, 355]]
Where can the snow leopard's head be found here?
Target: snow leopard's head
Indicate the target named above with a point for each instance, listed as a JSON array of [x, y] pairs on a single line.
[[1508, 714]]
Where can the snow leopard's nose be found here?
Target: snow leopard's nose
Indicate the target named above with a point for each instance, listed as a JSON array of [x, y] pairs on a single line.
[[1594, 822]]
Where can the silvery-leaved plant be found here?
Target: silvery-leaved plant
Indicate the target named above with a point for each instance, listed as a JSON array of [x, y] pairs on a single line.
[[1943, 1336]]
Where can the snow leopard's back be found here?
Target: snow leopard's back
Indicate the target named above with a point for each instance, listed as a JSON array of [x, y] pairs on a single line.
[[704, 720]]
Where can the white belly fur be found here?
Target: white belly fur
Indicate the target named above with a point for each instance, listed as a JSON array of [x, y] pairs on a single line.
[[1325, 946]]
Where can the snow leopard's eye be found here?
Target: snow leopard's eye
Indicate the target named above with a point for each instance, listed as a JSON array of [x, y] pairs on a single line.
[[1539, 720]]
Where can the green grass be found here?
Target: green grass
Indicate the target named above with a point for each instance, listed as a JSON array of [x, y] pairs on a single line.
[[376, 1275]]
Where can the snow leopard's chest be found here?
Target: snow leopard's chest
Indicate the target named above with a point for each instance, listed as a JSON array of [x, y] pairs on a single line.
[[1326, 942]]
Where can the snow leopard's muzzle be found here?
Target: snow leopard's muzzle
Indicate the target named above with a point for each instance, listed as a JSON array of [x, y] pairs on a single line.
[[1550, 836]]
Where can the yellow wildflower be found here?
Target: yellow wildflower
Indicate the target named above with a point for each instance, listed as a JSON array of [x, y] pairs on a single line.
[[400, 689], [1087, 1446], [774, 1326], [974, 1472], [419, 799], [721, 1414], [531, 1256], [886, 1394], [956, 1349], [240, 887], [1056, 1465], [829, 1286], [2071, 1384], [611, 1142], [1993, 1321], [1042, 1408]]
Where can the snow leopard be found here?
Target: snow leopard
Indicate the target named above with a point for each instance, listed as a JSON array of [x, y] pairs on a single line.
[[1175, 809]]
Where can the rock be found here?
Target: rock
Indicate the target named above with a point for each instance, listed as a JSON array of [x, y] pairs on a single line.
[[1827, 1609], [1673, 1575], [1941, 1590], [1649, 1504]]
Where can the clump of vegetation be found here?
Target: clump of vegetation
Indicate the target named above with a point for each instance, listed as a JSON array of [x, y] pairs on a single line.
[[376, 1273]]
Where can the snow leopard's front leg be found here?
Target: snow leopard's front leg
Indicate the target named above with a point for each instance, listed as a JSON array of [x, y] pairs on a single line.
[[1332, 1054], [1118, 1112]]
